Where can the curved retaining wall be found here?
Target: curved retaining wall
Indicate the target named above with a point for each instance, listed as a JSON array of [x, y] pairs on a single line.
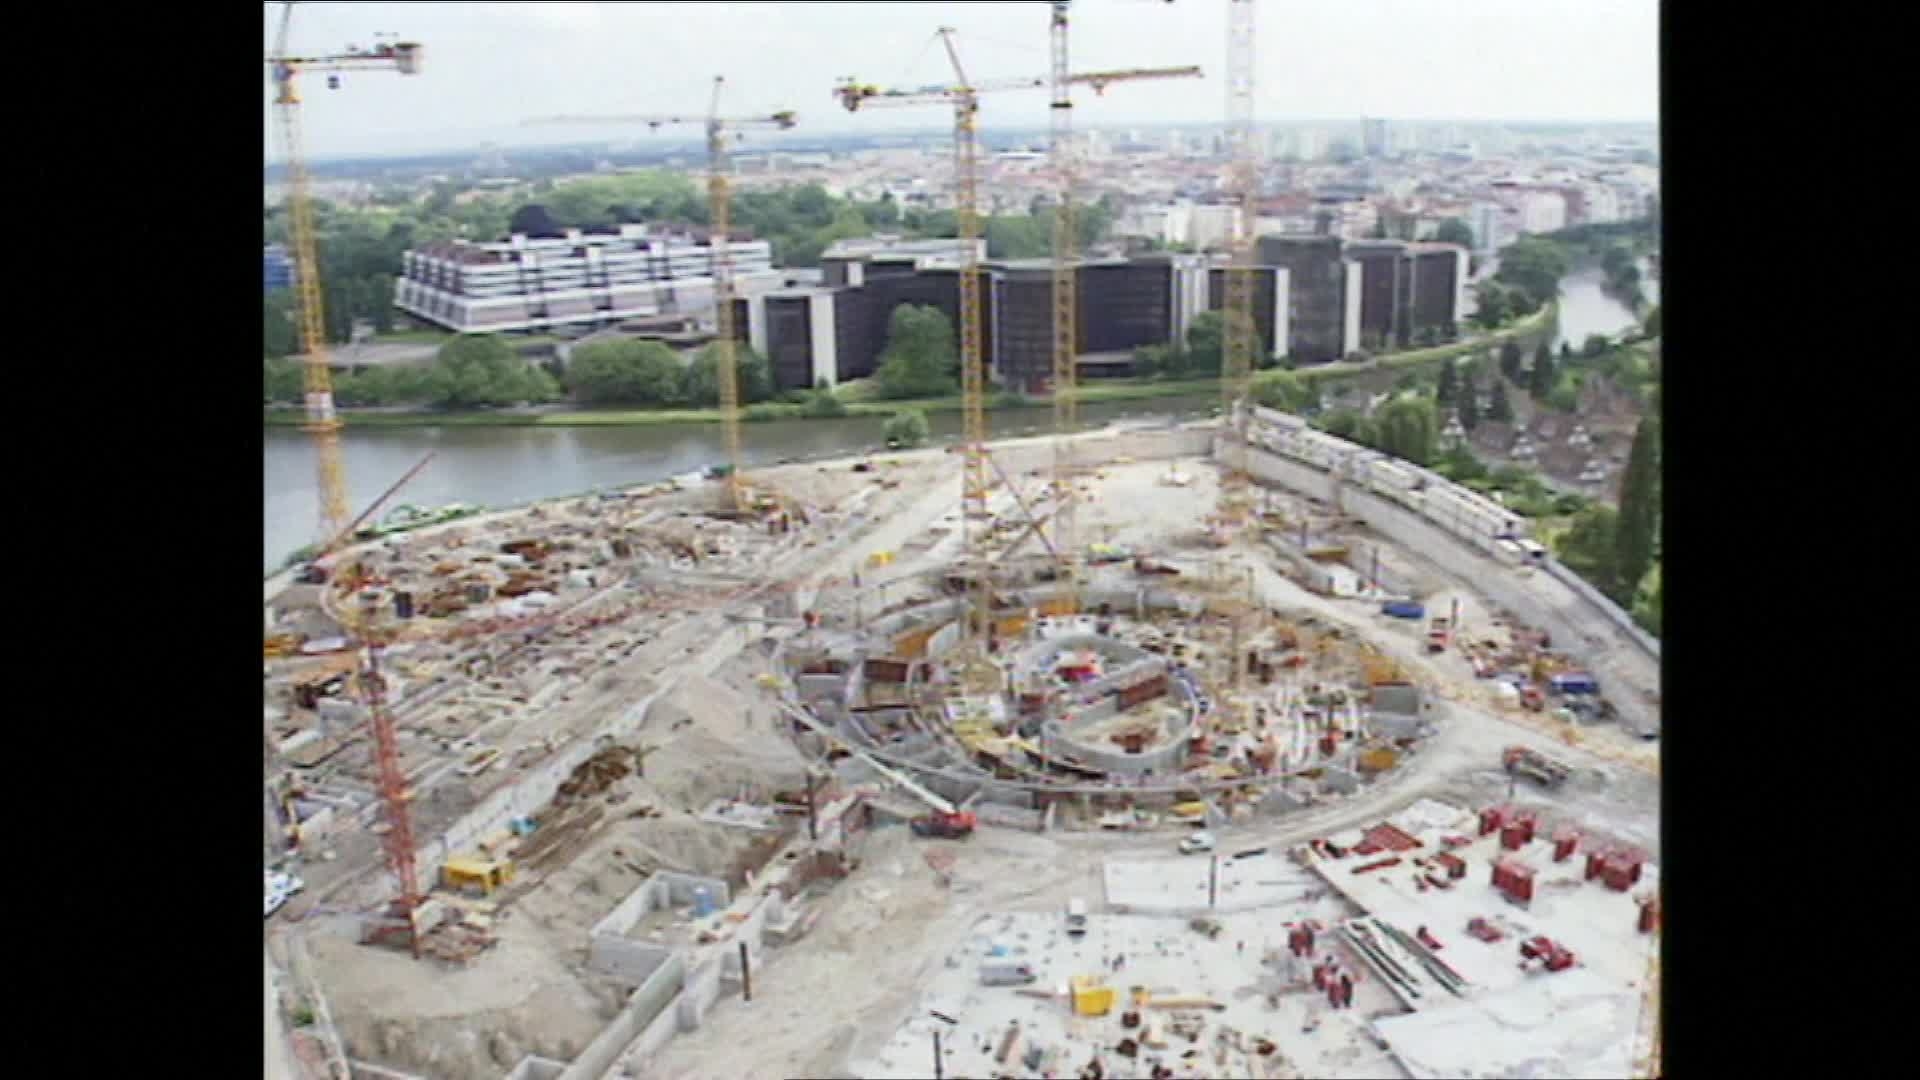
[[1503, 586]]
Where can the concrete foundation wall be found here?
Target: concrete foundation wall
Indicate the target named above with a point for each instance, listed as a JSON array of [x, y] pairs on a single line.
[[537, 788], [1499, 585], [537, 1068], [644, 1009]]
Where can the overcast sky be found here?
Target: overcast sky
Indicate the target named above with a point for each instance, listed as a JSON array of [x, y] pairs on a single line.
[[490, 66]]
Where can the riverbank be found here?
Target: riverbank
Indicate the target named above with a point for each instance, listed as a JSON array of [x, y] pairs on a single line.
[[1106, 390], [1114, 390]]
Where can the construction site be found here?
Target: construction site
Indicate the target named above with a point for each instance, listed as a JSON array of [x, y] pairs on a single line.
[[1203, 749]]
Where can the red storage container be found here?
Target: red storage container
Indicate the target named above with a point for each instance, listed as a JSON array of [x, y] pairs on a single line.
[[1528, 821], [1595, 860], [1564, 843], [1618, 876], [1649, 914], [1492, 818], [1456, 866], [1513, 879], [1513, 837]]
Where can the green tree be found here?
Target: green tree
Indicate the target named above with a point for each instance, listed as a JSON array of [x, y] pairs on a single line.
[[1587, 547], [905, 429], [1447, 388], [381, 293], [822, 404], [1469, 402], [1499, 409], [1652, 325], [1494, 304], [1544, 376], [1594, 347], [1409, 428], [1639, 505], [1534, 265], [1510, 359], [282, 336], [1283, 390], [1646, 601], [1454, 231], [1160, 361], [283, 381], [475, 370], [920, 359], [624, 373], [700, 383], [1206, 342]]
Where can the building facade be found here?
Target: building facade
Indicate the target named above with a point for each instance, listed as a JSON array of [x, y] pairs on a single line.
[[580, 279], [276, 269], [837, 331]]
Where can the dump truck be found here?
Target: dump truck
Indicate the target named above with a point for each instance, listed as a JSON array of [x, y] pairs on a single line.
[[954, 826], [1535, 766]]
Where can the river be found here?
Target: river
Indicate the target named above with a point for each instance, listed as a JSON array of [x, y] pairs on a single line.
[[1586, 308], [508, 466]]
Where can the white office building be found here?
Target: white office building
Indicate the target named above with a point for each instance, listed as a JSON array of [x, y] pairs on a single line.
[[1542, 212], [581, 279]]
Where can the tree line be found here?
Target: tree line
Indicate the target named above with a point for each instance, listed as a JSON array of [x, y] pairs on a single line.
[[484, 371]]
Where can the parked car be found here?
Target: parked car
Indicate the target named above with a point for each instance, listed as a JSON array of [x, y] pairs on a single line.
[[1196, 843]]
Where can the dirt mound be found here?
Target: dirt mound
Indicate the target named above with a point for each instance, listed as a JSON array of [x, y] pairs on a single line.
[[711, 741]]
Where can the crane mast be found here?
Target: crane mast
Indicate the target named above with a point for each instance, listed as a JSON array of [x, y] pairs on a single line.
[[964, 97], [1236, 366], [726, 370], [1066, 391], [324, 425], [720, 215], [977, 519]]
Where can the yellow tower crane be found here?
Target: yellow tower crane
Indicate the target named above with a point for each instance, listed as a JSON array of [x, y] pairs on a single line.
[[1236, 368], [720, 129], [964, 97], [322, 423], [1067, 471]]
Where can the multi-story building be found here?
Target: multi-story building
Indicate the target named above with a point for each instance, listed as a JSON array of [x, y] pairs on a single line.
[[1491, 229], [1365, 295], [1323, 313], [1375, 138], [837, 331], [1211, 227], [1542, 211], [1602, 205], [276, 269], [580, 279]]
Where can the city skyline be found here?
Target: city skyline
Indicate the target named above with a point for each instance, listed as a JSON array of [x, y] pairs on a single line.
[[1560, 61]]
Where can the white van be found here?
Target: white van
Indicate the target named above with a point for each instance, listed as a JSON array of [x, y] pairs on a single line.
[[1076, 917]]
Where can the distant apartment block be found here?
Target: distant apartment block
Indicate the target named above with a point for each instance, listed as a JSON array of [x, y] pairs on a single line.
[[836, 331], [276, 269], [580, 279], [1346, 296]]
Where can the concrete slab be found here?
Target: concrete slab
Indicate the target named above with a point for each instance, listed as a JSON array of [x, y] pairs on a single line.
[[1573, 1024], [1243, 969], [1178, 884]]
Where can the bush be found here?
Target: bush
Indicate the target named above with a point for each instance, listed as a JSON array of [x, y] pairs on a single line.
[[765, 411], [822, 405], [1008, 398], [905, 430], [1570, 503]]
